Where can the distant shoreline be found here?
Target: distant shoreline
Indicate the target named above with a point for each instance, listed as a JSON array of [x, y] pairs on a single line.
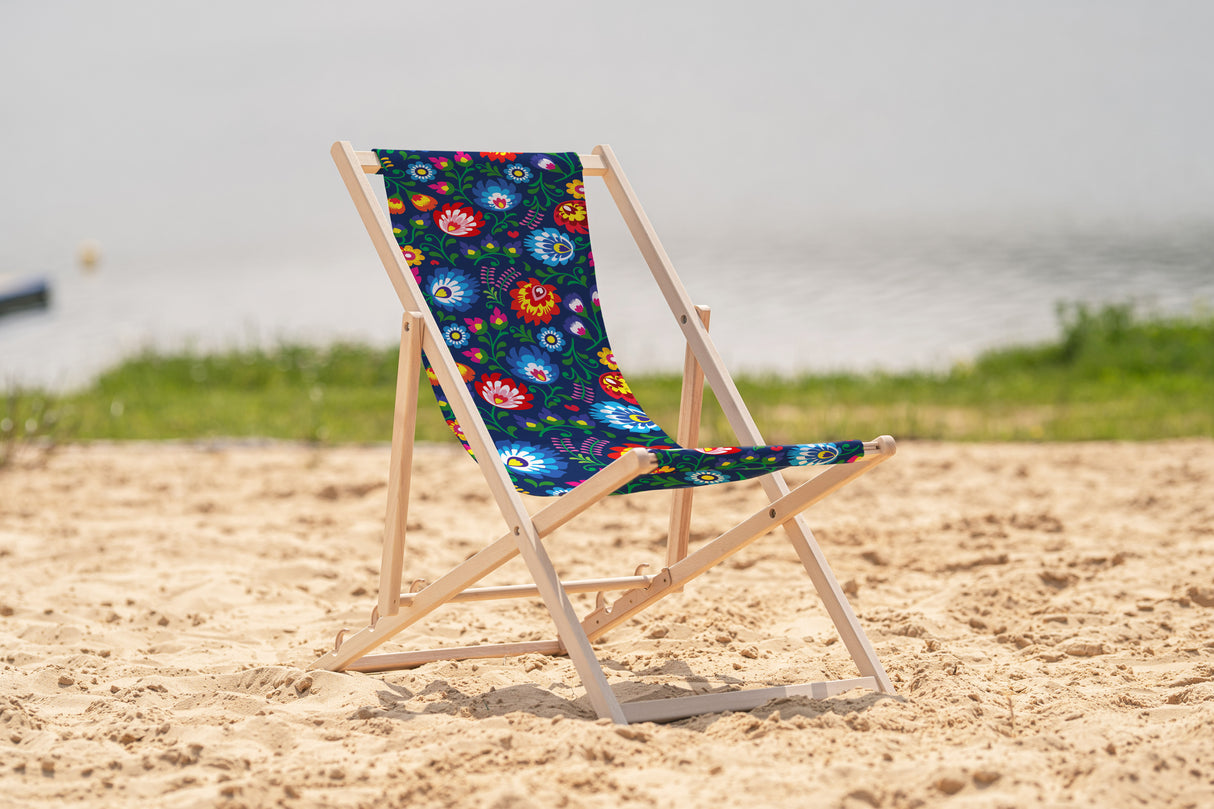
[[1112, 374]]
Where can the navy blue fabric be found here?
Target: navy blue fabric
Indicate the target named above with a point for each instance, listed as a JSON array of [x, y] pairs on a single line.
[[500, 244]]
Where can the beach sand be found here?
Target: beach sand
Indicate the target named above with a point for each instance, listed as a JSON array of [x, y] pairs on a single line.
[[1046, 613]]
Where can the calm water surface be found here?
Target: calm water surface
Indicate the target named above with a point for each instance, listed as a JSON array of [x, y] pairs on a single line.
[[861, 298], [191, 141]]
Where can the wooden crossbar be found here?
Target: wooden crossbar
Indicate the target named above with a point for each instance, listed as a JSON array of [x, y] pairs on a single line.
[[592, 164], [531, 591], [408, 660]]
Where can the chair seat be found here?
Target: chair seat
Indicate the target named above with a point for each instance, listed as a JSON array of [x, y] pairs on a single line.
[[541, 470]]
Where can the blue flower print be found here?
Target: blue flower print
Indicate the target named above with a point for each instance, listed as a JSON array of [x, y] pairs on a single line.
[[422, 172], [456, 336], [533, 365], [531, 460], [453, 290], [496, 195], [551, 339], [705, 477], [548, 417], [624, 416], [805, 454], [550, 246], [518, 173], [528, 422]]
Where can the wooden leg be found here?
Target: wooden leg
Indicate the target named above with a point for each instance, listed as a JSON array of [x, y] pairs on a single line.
[[404, 421], [836, 603], [691, 403], [568, 627]]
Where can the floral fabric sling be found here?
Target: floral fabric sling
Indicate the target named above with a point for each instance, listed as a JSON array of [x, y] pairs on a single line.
[[500, 244]]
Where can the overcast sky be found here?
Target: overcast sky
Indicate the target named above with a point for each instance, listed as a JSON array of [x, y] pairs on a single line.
[[205, 127]]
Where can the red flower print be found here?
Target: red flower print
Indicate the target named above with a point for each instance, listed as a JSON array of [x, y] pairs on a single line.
[[422, 202], [501, 157], [396, 205], [459, 220], [571, 215], [614, 384], [504, 393], [535, 302]]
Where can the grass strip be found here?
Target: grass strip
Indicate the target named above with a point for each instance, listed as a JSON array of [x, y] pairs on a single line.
[[1113, 373]]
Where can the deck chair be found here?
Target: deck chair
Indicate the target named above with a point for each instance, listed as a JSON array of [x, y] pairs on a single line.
[[490, 255]]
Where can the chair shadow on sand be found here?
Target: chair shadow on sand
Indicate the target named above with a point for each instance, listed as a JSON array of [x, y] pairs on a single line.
[[546, 702]]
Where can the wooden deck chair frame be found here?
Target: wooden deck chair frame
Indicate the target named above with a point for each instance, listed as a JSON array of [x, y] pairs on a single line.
[[524, 533]]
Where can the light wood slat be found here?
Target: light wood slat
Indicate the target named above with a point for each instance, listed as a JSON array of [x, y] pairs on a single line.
[[691, 401], [404, 420], [379, 228], [665, 710], [531, 591], [405, 660], [592, 164]]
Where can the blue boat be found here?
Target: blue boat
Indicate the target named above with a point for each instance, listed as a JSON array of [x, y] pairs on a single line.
[[17, 294]]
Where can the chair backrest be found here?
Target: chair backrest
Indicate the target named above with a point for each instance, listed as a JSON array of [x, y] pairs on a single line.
[[499, 243]]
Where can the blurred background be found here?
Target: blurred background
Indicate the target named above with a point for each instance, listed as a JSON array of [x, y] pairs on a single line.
[[880, 185]]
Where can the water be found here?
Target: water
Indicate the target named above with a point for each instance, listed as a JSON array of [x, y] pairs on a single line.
[[884, 185], [890, 299]]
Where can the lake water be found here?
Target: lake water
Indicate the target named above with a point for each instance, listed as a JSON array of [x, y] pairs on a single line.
[[865, 298], [877, 185]]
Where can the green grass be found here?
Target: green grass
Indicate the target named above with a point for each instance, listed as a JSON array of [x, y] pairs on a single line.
[[1111, 374]]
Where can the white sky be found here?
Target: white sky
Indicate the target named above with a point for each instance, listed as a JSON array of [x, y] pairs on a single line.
[[155, 127]]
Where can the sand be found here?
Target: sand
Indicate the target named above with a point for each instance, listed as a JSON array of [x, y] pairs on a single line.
[[1046, 613]]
